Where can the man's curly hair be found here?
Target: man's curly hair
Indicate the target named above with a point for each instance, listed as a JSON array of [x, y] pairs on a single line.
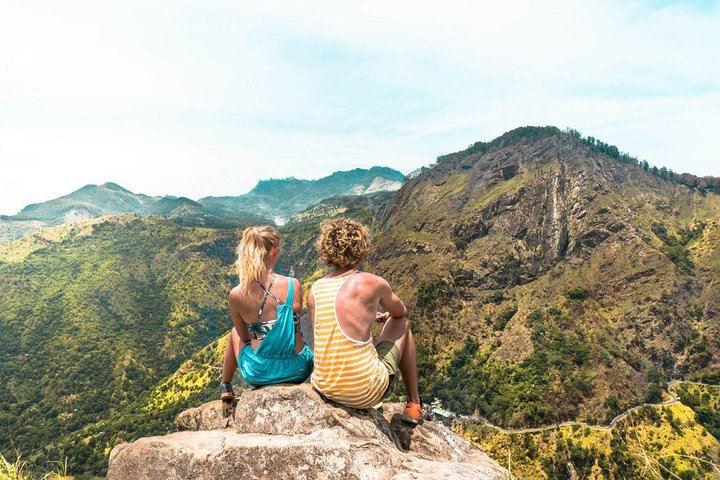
[[343, 243]]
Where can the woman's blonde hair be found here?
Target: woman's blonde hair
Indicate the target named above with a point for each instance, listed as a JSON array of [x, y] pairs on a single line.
[[343, 243], [252, 253]]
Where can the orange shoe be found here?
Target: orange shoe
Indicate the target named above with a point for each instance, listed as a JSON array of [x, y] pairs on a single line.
[[413, 413]]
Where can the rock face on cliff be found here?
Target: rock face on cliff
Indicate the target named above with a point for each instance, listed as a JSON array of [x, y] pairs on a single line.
[[290, 432]]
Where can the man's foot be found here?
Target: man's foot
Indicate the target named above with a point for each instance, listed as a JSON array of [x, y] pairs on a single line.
[[413, 413], [226, 391]]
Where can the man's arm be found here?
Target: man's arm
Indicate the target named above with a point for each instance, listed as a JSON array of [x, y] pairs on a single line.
[[389, 301]]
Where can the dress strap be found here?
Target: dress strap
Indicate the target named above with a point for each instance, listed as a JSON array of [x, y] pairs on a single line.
[[291, 290], [267, 293]]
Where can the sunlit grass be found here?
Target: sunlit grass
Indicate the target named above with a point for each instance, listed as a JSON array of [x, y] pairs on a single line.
[[20, 469]]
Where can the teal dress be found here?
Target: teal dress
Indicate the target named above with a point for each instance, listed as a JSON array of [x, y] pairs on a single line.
[[275, 359]]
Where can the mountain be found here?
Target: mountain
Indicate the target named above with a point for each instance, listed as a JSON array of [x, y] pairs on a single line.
[[92, 201], [96, 200], [550, 281], [280, 199], [270, 201]]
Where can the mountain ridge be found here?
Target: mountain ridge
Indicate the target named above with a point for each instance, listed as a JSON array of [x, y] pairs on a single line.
[[263, 204]]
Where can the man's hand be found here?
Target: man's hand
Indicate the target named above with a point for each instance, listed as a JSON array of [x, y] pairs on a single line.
[[382, 317]]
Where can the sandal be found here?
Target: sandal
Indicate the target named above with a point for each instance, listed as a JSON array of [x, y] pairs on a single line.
[[226, 391]]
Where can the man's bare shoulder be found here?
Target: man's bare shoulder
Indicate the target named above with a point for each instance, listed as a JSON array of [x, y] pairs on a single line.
[[370, 279]]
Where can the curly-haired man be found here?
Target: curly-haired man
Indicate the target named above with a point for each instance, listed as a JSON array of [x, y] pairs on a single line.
[[350, 368]]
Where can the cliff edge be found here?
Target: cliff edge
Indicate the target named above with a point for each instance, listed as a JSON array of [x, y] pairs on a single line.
[[291, 432]]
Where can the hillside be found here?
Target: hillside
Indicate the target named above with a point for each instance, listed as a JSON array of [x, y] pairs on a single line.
[[299, 234], [562, 285], [672, 441], [132, 299], [99, 315]]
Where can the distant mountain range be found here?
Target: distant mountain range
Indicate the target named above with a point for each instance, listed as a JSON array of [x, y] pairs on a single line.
[[271, 201], [280, 199]]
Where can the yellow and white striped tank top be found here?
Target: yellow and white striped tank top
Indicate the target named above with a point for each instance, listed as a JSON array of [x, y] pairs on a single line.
[[347, 371]]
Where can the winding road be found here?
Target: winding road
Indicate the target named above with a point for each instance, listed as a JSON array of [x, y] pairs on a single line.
[[613, 423]]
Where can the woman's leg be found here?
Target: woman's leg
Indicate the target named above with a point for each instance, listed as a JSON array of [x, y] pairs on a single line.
[[230, 358]]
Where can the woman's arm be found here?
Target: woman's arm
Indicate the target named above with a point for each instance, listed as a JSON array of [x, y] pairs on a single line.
[[234, 304], [298, 297]]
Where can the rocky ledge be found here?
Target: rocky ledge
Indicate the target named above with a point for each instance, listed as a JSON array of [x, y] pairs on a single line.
[[291, 432]]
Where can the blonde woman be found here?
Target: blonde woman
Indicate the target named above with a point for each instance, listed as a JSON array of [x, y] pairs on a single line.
[[265, 342]]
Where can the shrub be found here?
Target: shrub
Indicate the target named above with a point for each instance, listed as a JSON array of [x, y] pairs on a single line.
[[505, 317], [535, 318], [577, 293]]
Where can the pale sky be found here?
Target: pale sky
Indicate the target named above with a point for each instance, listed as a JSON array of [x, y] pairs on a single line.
[[200, 98]]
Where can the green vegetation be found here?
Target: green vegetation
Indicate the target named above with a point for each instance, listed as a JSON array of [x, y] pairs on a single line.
[[90, 323], [542, 389], [652, 443], [18, 469], [577, 293], [505, 317], [676, 248], [703, 184], [108, 328], [705, 401]]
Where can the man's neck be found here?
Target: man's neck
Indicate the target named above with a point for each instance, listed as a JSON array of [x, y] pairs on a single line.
[[340, 271]]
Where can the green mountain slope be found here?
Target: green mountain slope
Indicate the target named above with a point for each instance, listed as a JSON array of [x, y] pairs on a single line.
[[550, 281], [654, 443], [92, 320]]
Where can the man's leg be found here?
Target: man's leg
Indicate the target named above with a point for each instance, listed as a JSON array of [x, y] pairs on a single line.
[[397, 330]]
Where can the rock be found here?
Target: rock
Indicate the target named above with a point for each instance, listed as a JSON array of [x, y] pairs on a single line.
[[431, 440], [291, 432], [209, 416]]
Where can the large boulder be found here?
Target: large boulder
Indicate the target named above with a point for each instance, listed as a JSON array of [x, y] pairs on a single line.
[[291, 432]]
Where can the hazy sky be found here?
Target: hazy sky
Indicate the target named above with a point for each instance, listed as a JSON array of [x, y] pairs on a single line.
[[198, 97]]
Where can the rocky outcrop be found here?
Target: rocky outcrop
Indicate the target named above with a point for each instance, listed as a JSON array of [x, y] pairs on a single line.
[[291, 432]]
